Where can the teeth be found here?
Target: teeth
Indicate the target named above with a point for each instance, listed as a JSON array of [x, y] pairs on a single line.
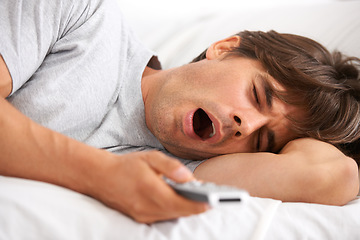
[[213, 130]]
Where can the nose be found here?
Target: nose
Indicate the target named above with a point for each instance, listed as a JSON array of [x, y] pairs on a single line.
[[246, 123]]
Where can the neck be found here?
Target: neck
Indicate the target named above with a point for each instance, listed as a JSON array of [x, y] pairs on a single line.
[[152, 67], [147, 82]]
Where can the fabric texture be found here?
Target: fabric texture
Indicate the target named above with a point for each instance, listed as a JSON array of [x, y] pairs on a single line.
[[36, 210], [76, 69]]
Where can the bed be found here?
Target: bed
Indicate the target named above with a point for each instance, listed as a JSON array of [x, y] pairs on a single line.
[[37, 210]]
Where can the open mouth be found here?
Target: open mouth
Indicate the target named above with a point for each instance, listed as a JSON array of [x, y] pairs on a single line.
[[202, 124]]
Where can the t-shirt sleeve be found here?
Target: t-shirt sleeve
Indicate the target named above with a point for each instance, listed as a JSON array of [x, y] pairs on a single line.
[[30, 28], [192, 165]]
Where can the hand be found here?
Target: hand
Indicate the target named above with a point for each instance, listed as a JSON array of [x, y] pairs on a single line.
[[133, 185]]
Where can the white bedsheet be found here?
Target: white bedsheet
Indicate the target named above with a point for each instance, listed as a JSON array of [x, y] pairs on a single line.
[[36, 210]]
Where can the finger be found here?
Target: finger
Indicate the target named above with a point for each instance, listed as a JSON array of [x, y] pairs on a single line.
[[156, 201], [178, 206], [176, 209], [168, 197], [168, 166], [171, 207], [163, 195]]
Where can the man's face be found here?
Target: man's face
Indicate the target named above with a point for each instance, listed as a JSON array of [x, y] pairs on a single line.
[[218, 106]]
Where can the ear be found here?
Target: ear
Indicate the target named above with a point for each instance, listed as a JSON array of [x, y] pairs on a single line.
[[222, 47]]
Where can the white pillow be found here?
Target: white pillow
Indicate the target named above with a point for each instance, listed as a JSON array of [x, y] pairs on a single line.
[[179, 31]]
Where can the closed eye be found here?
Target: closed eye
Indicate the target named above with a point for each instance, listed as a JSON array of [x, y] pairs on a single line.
[[258, 142], [255, 95]]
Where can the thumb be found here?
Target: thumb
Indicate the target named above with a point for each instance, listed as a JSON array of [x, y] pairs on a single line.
[[169, 167], [181, 174]]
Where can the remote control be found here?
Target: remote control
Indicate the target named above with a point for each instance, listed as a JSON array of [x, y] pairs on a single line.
[[209, 192]]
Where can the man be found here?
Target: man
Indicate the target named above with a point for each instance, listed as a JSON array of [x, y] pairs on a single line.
[[76, 82]]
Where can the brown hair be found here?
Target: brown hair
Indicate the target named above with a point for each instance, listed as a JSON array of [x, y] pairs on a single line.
[[326, 85]]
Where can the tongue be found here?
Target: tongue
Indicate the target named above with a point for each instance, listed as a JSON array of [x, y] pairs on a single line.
[[202, 124]]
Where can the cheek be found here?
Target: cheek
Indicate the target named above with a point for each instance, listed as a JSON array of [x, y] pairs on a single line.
[[230, 95]]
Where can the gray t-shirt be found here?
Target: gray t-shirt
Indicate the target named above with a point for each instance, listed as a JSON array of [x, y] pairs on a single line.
[[76, 69]]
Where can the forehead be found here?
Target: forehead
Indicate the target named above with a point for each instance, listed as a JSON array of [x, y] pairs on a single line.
[[285, 116], [284, 121], [288, 127]]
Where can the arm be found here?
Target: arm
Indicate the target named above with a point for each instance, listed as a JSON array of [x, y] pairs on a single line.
[[306, 170], [129, 183]]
